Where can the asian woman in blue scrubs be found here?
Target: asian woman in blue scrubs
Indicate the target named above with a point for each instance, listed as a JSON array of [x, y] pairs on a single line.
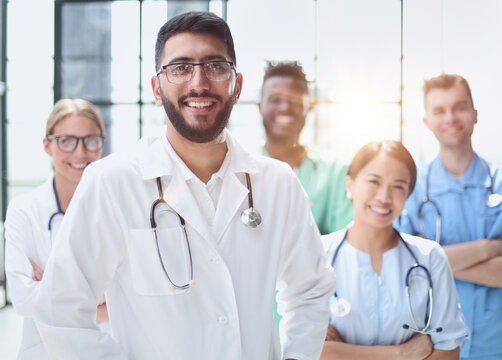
[[370, 314]]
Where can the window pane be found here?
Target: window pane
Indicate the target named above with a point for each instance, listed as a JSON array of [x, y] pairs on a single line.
[[154, 16], [359, 50], [462, 37], [154, 120], [86, 51], [125, 51], [273, 38], [124, 131], [29, 98], [245, 124]]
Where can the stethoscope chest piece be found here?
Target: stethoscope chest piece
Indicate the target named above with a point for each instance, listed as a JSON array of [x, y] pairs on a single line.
[[250, 217], [340, 307], [493, 200]]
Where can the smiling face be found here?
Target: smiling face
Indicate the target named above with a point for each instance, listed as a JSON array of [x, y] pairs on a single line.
[[451, 116], [199, 108], [69, 167], [284, 107], [379, 191]]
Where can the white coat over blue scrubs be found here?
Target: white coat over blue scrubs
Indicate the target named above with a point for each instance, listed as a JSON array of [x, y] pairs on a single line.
[[465, 217], [106, 242], [378, 301], [27, 236]]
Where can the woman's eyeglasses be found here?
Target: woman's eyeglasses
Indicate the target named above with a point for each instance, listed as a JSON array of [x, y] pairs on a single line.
[[68, 143]]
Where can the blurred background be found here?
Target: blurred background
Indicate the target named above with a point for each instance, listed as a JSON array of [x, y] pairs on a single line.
[[366, 61]]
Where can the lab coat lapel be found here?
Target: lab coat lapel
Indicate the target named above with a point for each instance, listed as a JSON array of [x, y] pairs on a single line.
[[233, 193], [180, 198], [155, 161]]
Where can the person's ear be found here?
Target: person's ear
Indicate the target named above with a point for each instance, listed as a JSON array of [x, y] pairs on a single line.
[[425, 120], [47, 146], [238, 87], [156, 90]]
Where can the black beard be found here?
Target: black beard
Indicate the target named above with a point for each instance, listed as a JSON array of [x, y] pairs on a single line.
[[203, 135]]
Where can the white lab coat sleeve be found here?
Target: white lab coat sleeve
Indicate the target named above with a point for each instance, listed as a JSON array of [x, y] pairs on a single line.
[[18, 233], [304, 282], [446, 308], [85, 256]]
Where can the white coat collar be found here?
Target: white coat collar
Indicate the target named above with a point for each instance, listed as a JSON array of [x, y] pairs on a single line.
[[158, 159]]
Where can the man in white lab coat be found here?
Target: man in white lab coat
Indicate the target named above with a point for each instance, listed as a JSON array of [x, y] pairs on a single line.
[[188, 278]]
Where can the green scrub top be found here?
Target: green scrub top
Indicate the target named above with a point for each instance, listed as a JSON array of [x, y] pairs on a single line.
[[324, 183]]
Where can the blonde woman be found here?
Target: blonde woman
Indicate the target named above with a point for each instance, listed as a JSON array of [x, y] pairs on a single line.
[[74, 139]]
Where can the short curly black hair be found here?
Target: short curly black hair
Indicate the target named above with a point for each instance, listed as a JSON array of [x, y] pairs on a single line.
[[291, 69]]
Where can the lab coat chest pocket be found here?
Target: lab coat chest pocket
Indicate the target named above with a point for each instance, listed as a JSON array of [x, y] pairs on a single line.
[[147, 267]]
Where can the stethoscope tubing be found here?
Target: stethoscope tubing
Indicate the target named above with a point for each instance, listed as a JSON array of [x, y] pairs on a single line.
[[428, 200], [250, 217], [415, 266], [153, 224], [59, 211]]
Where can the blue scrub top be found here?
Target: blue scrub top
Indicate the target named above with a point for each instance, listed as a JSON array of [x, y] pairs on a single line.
[[465, 217]]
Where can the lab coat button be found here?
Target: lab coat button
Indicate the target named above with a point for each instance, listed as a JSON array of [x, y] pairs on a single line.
[[222, 319], [216, 259]]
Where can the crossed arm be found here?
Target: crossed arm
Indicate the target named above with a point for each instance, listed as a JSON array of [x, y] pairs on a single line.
[[418, 347], [477, 261], [102, 314]]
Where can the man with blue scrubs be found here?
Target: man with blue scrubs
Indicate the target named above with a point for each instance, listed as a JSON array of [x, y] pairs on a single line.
[[284, 106], [457, 199]]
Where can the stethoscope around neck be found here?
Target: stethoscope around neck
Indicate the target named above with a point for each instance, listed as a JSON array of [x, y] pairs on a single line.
[[341, 307], [249, 217], [492, 200], [58, 211]]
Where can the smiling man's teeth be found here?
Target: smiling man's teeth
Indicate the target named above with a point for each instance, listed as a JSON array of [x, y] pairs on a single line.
[[380, 210], [199, 105], [78, 166], [283, 119]]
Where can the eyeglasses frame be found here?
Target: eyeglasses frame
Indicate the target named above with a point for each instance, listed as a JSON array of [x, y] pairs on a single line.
[[201, 64], [51, 137]]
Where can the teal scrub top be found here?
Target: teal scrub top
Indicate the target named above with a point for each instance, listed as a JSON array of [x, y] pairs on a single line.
[[464, 217], [324, 182]]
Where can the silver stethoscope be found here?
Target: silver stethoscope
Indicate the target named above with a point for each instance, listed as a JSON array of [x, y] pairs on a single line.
[[58, 211], [249, 217], [341, 307], [493, 200]]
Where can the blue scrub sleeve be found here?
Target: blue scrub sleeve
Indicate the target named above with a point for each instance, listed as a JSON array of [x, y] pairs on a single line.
[[446, 311]]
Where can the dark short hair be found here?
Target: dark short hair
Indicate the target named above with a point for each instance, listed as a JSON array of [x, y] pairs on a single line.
[[392, 148], [445, 82], [194, 22], [291, 69]]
